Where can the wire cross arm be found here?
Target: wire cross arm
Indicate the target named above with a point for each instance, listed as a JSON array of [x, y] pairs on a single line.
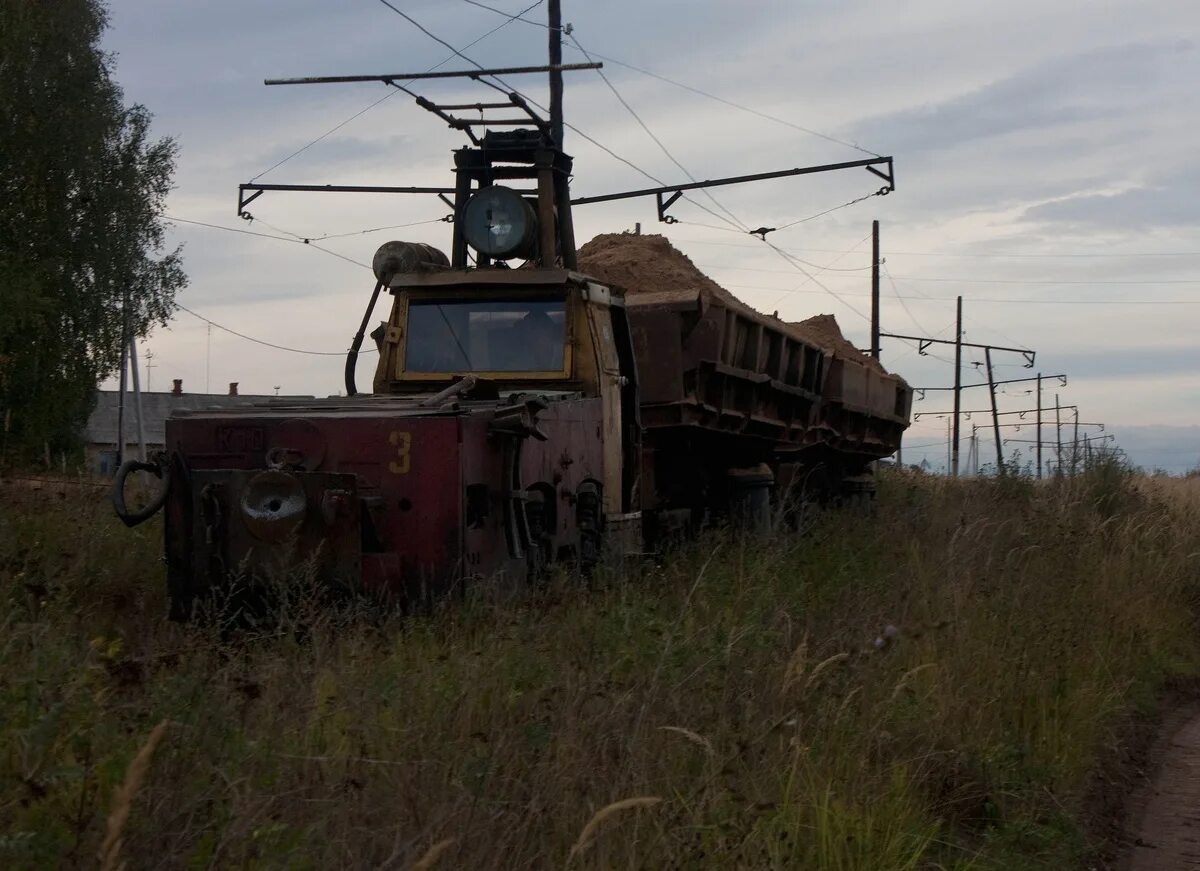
[[667, 195], [924, 342], [1021, 412], [1062, 381], [248, 192], [389, 78], [1103, 438]]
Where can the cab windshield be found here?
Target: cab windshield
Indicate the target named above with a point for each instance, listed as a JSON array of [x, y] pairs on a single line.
[[486, 336]]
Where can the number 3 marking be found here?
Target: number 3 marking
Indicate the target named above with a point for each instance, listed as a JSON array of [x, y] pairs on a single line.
[[401, 441]]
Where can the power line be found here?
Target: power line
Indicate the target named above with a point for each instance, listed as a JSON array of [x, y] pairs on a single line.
[[915, 347], [739, 106], [827, 211], [325, 135], [1063, 254], [173, 219], [538, 105], [788, 259], [377, 229], [386, 96], [714, 227], [685, 87], [308, 240], [260, 341], [923, 295], [789, 271], [819, 268], [650, 133], [1046, 281], [1022, 301], [511, 18], [948, 254], [297, 240], [429, 33], [900, 299]]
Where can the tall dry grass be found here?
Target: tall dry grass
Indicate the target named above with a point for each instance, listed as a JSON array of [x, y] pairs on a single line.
[[930, 687]]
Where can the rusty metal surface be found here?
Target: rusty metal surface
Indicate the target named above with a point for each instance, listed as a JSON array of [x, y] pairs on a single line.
[[491, 278], [427, 496], [712, 366], [316, 524]]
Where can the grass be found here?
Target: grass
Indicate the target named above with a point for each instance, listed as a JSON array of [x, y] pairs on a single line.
[[744, 705]]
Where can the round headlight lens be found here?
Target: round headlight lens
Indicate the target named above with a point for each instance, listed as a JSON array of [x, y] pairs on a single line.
[[499, 222]]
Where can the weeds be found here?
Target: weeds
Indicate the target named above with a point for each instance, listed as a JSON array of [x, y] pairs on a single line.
[[931, 687]]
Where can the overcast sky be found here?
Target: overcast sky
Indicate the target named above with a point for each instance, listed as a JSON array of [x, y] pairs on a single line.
[[1046, 169]]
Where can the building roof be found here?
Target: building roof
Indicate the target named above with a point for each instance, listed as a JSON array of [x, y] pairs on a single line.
[[157, 407]]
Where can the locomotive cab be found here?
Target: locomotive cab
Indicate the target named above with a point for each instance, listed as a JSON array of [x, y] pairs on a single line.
[[553, 335]]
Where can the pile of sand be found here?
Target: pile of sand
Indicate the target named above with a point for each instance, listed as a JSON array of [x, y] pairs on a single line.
[[651, 264]]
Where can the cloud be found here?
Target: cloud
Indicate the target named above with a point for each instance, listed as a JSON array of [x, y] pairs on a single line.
[[1060, 93], [1131, 362], [1169, 201]]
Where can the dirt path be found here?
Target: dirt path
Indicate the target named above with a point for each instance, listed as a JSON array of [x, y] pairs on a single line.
[[1168, 834]]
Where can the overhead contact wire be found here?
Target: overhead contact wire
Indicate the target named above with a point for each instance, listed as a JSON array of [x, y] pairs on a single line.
[[735, 220], [386, 96], [510, 89], [258, 341], [765, 115], [297, 240]]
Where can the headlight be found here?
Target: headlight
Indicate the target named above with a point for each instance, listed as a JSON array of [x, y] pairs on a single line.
[[499, 222]]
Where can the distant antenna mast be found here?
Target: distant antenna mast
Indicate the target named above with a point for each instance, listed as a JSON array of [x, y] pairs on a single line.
[[149, 366]]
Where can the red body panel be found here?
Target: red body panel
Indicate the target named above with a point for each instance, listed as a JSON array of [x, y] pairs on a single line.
[[434, 487]]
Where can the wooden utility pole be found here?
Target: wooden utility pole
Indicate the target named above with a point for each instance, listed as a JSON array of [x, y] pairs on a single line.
[[957, 384], [1039, 424], [987, 356], [875, 289], [554, 8]]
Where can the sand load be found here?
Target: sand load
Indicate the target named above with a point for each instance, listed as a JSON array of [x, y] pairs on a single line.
[[651, 265]]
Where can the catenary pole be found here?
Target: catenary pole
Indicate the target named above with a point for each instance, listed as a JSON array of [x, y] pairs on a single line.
[[987, 355], [957, 387], [1039, 424], [554, 8], [875, 289]]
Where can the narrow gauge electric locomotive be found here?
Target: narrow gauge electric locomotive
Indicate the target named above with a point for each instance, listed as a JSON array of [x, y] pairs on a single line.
[[523, 414]]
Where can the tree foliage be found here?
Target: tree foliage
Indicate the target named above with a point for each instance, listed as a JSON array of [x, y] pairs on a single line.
[[82, 188]]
